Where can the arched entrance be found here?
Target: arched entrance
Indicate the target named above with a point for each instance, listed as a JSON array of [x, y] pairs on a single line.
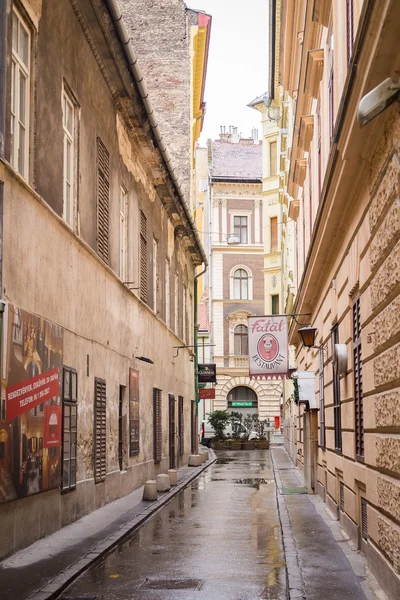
[[242, 399]]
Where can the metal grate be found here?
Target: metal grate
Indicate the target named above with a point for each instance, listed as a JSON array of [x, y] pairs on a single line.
[[172, 448], [193, 426], [143, 258], [157, 429], [364, 519], [181, 426], [326, 482], [341, 494], [358, 383], [99, 430], [322, 400], [103, 200], [173, 584]]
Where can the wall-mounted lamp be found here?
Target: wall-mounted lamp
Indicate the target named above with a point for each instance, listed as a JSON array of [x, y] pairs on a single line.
[[307, 335]]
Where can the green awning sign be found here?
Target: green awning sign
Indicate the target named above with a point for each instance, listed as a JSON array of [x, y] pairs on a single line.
[[242, 404]]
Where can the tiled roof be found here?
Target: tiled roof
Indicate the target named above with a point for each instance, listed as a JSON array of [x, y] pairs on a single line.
[[236, 160], [202, 316]]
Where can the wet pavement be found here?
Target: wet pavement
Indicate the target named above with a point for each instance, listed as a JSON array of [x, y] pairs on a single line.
[[218, 539]]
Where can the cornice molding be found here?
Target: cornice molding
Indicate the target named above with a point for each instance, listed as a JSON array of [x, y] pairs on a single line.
[[314, 72], [306, 132]]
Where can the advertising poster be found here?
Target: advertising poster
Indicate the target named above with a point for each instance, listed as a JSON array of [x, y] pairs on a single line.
[[31, 412], [207, 373], [133, 412], [268, 347]]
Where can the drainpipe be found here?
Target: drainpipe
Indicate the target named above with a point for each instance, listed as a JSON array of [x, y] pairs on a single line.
[[3, 83], [196, 362]]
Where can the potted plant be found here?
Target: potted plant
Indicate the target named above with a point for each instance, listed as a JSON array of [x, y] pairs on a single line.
[[248, 423], [236, 420], [218, 420], [260, 427]]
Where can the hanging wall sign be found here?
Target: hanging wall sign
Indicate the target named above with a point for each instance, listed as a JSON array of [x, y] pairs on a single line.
[[207, 373], [268, 346]]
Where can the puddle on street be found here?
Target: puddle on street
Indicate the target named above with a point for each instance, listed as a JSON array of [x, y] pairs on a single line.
[[253, 482]]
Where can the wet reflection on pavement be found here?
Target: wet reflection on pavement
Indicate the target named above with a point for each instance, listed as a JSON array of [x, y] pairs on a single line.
[[217, 539]]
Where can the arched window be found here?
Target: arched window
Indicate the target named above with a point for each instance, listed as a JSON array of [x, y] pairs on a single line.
[[242, 393], [240, 285], [241, 340]]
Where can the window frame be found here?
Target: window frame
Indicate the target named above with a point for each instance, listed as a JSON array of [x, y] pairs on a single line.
[[322, 430], [69, 137], [241, 336], [241, 293], [358, 381], [71, 403], [167, 293], [123, 234], [101, 474], [155, 276], [18, 67], [275, 299], [273, 158], [337, 409], [241, 230], [157, 425]]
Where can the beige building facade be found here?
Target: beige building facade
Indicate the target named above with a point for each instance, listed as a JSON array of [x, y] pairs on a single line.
[[99, 251], [344, 185]]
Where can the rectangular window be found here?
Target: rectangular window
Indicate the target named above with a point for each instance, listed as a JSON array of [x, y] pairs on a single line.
[[20, 94], [331, 88], [103, 200], [337, 413], [275, 304], [184, 315], [100, 430], [176, 303], [193, 432], [273, 158], [121, 428], [155, 275], [143, 257], [319, 151], [167, 295], [157, 423], [274, 234], [349, 28], [322, 400], [123, 234], [69, 429], [240, 229], [181, 426], [358, 381], [68, 110]]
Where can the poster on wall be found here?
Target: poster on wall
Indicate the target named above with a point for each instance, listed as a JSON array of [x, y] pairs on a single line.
[[133, 412], [31, 412], [268, 347]]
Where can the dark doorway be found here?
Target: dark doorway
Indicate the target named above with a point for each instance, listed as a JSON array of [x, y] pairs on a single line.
[[121, 428], [172, 448]]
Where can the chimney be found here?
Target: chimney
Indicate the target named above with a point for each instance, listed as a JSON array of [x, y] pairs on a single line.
[[254, 135], [224, 136]]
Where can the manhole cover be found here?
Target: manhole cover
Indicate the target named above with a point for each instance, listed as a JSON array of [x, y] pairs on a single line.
[[173, 584], [285, 491]]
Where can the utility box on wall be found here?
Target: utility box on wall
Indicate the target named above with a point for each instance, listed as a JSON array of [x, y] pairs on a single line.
[[306, 385]]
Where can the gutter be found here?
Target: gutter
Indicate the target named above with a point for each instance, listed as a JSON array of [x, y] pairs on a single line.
[[137, 75]]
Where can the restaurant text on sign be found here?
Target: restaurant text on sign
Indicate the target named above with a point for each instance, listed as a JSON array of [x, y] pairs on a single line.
[[268, 346]]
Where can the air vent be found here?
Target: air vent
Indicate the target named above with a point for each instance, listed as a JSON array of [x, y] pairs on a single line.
[[364, 519]]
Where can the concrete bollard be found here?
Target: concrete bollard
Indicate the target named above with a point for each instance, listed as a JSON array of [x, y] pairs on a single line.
[[204, 456], [194, 460], [173, 477], [150, 490], [163, 484]]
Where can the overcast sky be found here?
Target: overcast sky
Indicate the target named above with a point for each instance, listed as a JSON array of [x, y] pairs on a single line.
[[237, 63]]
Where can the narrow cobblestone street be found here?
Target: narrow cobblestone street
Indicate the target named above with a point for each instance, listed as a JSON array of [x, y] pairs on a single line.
[[221, 538]]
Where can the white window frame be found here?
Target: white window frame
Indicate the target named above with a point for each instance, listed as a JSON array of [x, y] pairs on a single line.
[[19, 68], [167, 294], [155, 275], [242, 213], [123, 234], [176, 328], [249, 282], [184, 314]]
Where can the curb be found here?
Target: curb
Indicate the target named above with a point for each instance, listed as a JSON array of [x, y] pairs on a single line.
[[52, 589]]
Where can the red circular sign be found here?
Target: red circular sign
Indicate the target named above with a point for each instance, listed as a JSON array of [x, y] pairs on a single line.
[[268, 347]]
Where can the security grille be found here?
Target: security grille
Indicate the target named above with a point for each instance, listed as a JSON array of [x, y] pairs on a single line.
[[364, 520], [358, 383], [157, 422], [103, 200], [181, 425], [99, 430], [193, 425], [326, 482], [143, 258], [341, 500], [172, 448]]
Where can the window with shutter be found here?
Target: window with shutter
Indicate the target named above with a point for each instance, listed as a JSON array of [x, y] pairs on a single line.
[[143, 258], [157, 422], [337, 414], [181, 426], [103, 200], [99, 430], [70, 416], [358, 382]]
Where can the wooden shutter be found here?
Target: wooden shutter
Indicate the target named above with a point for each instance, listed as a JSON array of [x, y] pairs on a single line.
[[337, 408], [103, 200], [274, 234], [99, 430], [143, 258], [358, 383], [157, 422], [181, 426]]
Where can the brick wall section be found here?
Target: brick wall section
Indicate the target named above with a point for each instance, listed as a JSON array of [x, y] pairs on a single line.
[[254, 262], [161, 40]]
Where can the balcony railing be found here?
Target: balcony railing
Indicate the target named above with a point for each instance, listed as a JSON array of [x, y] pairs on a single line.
[[238, 362]]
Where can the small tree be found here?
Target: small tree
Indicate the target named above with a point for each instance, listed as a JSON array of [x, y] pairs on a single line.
[[260, 426], [236, 419], [218, 420]]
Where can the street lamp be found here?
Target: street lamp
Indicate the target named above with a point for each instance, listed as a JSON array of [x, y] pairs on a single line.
[[307, 335]]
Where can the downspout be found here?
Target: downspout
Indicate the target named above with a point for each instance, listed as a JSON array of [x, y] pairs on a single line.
[[137, 75], [3, 84], [196, 362]]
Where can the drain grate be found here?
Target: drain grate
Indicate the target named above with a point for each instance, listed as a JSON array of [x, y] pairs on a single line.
[[286, 491], [172, 584]]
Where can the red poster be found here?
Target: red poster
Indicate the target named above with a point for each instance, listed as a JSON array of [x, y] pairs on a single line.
[[207, 393], [52, 425], [29, 393]]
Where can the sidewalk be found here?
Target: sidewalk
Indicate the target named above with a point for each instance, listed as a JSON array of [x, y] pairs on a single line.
[[321, 562], [42, 570]]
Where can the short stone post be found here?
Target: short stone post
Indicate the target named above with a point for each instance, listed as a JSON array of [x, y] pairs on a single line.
[[173, 477], [194, 460], [150, 490], [163, 484]]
